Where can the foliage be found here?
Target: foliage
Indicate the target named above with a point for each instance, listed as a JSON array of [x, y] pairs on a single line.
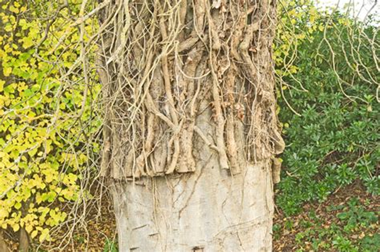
[[335, 139], [45, 113], [297, 21], [110, 246]]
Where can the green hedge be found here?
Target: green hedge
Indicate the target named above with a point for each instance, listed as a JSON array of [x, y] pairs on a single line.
[[336, 139]]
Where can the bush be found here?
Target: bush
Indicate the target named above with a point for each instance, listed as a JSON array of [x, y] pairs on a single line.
[[335, 139]]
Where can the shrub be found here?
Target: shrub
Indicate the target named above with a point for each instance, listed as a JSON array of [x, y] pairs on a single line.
[[335, 139]]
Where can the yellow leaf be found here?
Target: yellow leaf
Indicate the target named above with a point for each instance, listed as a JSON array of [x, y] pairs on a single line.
[[48, 146], [34, 234], [14, 9], [7, 71], [44, 235], [27, 42], [28, 228], [32, 152], [16, 227], [18, 205], [2, 85]]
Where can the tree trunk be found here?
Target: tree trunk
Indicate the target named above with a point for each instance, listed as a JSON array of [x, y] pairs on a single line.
[[190, 124], [208, 210], [24, 241]]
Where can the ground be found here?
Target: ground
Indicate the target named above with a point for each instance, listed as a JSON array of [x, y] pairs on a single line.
[[347, 221]]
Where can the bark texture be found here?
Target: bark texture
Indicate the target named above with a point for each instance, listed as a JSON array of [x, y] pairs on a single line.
[[190, 123]]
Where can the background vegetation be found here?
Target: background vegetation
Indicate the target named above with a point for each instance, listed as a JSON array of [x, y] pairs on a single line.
[[47, 117], [329, 108]]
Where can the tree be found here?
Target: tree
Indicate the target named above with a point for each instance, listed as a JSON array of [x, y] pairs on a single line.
[[190, 131], [45, 118]]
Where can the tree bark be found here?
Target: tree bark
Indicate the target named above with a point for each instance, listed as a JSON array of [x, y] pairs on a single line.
[[190, 124], [24, 241]]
